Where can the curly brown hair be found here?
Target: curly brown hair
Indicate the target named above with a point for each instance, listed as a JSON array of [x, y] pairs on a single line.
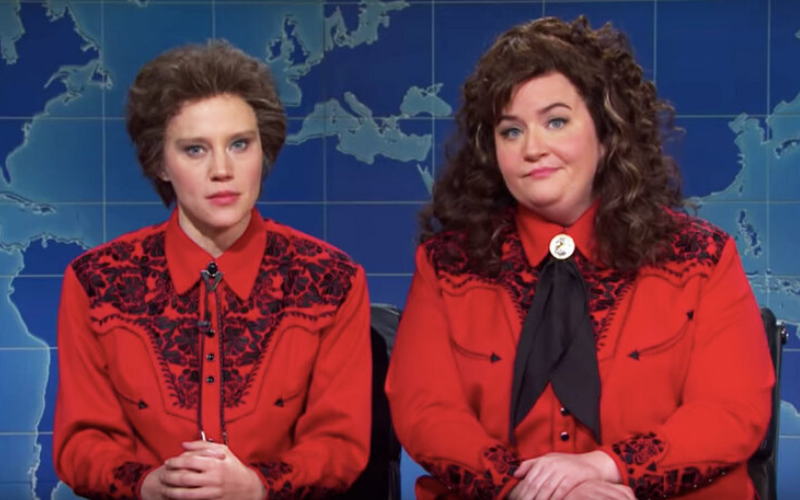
[[635, 180], [190, 73]]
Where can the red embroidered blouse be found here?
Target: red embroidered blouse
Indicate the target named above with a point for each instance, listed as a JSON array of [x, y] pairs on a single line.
[[685, 370], [274, 361]]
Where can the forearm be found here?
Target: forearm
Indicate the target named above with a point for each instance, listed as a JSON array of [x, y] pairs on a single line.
[[331, 437]]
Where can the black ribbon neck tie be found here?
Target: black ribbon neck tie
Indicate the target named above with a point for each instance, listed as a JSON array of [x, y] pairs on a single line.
[[557, 343]]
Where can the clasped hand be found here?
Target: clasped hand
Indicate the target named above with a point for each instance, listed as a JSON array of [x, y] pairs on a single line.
[[568, 476], [205, 471]]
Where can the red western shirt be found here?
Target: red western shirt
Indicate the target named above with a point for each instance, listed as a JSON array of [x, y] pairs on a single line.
[[685, 371], [274, 361]]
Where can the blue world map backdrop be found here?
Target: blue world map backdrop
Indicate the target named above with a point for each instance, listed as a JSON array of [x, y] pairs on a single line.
[[370, 88]]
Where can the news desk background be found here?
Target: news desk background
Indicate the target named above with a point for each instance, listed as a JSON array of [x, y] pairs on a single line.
[[370, 88]]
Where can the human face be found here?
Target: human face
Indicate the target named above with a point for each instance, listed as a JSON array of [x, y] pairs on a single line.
[[213, 159], [547, 148]]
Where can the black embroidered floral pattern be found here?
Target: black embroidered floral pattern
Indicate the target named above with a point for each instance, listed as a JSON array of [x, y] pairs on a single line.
[[674, 482], [639, 450], [642, 454], [280, 487], [605, 288], [128, 281], [518, 278], [698, 243], [503, 461], [469, 485], [126, 479]]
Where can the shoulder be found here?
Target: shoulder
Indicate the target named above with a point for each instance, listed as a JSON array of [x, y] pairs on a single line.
[[696, 244], [286, 244], [446, 253], [138, 252]]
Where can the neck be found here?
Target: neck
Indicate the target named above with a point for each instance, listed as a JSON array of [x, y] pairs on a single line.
[[212, 240], [561, 215]]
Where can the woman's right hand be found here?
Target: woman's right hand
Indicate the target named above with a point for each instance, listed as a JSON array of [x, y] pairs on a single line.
[[554, 475], [600, 490], [594, 489]]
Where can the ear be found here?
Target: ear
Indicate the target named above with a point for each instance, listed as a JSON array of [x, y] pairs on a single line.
[[163, 175]]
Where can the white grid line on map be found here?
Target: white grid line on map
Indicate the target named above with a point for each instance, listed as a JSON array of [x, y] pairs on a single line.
[[60, 276], [433, 82], [376, 117], [355, 2], [655, 42], [324, 92], [768, 163], [23, 433], [133, 203], [103, 145]]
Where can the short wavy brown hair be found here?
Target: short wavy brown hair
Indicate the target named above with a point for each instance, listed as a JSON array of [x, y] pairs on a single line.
[[190, 73], [635, 180]]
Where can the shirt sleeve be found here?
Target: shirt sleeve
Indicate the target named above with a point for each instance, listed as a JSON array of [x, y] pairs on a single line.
[[429, 410], [332, 435], [726, 398], [93, 443]]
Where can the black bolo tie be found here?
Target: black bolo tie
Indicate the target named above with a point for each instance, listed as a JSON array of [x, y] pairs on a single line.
[[557, 343]]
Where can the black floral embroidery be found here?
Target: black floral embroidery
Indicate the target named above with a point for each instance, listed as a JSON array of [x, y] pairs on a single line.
[[126, 479], [674, 482], [642, 455], [128, 281], [697, 244], [518, 278], [472, 486], [280, 487], [639, 450]]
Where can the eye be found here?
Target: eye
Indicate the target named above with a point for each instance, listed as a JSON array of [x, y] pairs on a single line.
[[240, 144], [510, 132], [194, 150], [556, 123]]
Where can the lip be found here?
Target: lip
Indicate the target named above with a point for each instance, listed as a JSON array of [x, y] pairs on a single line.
[[224, 198], [541, 172]]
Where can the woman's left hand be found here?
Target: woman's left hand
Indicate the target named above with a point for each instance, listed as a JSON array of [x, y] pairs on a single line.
[[553, 476], [210, 471]]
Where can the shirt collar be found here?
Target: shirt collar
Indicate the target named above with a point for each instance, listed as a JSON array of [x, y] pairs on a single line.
[[239, 263], [536, 233]]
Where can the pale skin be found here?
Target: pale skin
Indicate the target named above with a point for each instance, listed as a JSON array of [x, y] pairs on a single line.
[[547, 148], [548, 151], [557, 476], [600, 490], [205, 471], [213, 159]]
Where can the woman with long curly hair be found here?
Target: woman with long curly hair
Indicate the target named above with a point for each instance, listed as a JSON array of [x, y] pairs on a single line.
[[570, 332]]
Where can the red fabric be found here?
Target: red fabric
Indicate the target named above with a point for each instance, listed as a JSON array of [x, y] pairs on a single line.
[[281, 372], [685, 370]]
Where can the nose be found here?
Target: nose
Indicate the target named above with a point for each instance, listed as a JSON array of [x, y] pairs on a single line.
[[535, 144], [221, 165]]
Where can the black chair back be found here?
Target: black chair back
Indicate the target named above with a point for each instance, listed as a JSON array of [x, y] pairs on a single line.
[[381, 478], [762, 465]]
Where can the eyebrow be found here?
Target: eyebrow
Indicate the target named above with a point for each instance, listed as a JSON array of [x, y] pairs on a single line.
[[542, 111], [248, 134]]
